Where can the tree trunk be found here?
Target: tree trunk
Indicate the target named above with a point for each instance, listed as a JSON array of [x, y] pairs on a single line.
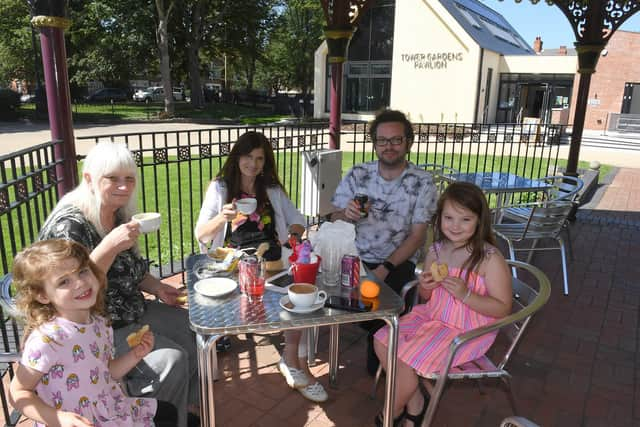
[[197, 97], [162, 38]]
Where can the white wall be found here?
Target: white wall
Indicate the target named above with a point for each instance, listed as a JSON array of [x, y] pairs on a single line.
[[539, 64], [435, 64], [490, 60]]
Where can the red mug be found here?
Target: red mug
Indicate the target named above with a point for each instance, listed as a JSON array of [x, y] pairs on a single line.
[[305, 273]]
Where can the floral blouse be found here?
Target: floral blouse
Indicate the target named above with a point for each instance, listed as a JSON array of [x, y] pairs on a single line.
[[125, 301]]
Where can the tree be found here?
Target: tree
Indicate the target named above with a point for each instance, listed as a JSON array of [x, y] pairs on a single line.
[[16, 49], [164, 9]]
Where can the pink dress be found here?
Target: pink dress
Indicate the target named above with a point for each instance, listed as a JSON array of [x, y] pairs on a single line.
[[74, 359], [427, 331]]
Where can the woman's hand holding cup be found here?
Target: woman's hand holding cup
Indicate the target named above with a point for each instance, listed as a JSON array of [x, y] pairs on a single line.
[[229, 212], [124, 236]]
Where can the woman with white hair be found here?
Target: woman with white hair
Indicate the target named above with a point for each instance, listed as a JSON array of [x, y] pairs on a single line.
[[97, 214]]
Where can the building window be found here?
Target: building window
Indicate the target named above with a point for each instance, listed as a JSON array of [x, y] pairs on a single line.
[[367, 72]]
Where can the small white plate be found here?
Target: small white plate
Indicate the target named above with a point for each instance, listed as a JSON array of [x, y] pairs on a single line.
[[215, 286], [288, 305]]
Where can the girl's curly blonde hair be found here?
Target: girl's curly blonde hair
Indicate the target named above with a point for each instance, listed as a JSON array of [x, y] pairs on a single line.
[[33, 264]]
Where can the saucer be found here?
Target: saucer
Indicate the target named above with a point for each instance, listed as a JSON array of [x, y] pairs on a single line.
[[215, 286], [287, 305]]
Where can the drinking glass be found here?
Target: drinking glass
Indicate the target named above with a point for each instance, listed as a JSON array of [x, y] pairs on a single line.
[[331, 263], [251, 278]]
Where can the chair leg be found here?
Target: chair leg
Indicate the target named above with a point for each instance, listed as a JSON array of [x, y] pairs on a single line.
[[569, 244], [564, 266], [376, 381], [532, 251], [512, 398], [512, 255], [436, 394]]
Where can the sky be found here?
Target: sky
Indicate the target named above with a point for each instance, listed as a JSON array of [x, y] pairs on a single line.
[[548, 22]]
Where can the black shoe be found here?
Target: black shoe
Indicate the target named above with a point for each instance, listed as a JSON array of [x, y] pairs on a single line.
[[223, 344], [372, 358], [417, 419], [193, 420], [396, 421]]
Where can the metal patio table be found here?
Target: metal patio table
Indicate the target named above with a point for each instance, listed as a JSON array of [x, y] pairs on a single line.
[[499, 183], [211, 318]]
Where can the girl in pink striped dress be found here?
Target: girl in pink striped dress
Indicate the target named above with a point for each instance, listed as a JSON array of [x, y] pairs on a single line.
[[476, 292]]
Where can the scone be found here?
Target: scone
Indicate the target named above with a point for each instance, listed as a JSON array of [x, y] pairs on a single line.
[[439, 271], [135, 338], [219, 253]]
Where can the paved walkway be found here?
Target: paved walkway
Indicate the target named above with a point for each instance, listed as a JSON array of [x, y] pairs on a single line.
[[577, 365]]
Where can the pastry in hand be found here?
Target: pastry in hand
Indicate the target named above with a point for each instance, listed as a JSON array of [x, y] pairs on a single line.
[[182, 298], [220, 253], [439, 271], [135, 338]]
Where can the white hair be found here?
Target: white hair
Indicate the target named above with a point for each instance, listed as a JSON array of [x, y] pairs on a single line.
[[103, 159]]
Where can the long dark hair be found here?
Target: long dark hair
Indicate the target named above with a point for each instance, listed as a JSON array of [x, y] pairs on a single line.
[[471, 197], [230, 173]]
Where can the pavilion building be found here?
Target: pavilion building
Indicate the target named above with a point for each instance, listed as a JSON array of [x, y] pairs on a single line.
[[459, 61]]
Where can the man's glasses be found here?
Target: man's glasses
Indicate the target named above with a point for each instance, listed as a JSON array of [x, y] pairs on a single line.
[[394, 140]]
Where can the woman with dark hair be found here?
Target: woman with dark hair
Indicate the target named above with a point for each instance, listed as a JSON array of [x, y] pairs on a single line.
[[250, 172]]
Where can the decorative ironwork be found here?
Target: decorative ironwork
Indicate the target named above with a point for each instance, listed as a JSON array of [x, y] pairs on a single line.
[[288, 142], [492, 138], [458, 138], [22, 192], [160, 155], [38, 185], [313, 139], [475, 137], [51, 174], [184, 153], [596, 20], [508, 138], [137, 156], [423, 137], [524, 138], [338, 12], [4, 201], [51, 21], [441, 137], [274, 143], [205, 151], [225, 148], [301, 141]]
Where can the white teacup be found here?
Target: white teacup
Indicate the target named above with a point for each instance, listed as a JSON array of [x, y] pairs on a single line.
[[303, 295], [246, 206], [149, 221]]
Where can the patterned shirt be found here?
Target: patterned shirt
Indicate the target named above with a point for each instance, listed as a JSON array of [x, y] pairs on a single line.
[[125, 302], [74, 359], [396, 206]]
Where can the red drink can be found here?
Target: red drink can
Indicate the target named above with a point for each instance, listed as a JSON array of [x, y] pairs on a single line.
[[350, 271]]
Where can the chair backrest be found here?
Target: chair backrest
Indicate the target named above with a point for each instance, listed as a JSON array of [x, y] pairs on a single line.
[[526, 301], [547, 219], [438, 171], [563, 187]]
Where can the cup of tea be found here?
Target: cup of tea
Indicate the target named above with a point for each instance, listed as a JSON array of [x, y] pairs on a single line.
[[149, 221], [305, 295], [246, 206]]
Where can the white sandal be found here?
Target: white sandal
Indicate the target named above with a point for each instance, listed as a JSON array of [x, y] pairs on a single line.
[[314, 392], [296, 378]]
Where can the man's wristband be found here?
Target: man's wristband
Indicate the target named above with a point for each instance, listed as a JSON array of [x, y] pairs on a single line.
[[389, 266]]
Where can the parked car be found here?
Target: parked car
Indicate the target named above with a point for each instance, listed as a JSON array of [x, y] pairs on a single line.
[[107, 95], [150, 94], [178, 94]]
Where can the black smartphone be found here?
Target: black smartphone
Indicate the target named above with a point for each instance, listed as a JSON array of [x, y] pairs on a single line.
[[282, 281], [350, 304]]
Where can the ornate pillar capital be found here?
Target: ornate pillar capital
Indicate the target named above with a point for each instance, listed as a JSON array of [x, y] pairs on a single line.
[[338, 39], [50, 13], [588, 56]]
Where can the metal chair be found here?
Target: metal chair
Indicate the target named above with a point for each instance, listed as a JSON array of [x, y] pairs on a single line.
[[10, 354], [562, 188], [438, 172], [546, 220], [527, 300]]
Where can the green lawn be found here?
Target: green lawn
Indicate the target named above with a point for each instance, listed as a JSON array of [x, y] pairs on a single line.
[[141, 111], [176, 189]]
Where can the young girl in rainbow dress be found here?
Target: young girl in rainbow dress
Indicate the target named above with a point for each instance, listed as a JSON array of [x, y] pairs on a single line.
[[67, 375], [476, 292]]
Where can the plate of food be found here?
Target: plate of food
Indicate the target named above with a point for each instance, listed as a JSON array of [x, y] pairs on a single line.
[[215, 286]]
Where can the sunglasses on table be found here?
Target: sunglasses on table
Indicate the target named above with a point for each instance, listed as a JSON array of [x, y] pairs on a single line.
[[394, 140]]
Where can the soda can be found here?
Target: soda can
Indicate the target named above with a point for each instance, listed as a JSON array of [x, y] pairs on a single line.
[[350, 271], [362, 200]]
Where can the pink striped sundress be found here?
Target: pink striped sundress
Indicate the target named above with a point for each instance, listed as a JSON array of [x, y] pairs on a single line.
[[427, 331]]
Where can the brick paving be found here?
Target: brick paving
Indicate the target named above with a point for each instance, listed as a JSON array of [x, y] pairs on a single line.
[[577, 364]]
